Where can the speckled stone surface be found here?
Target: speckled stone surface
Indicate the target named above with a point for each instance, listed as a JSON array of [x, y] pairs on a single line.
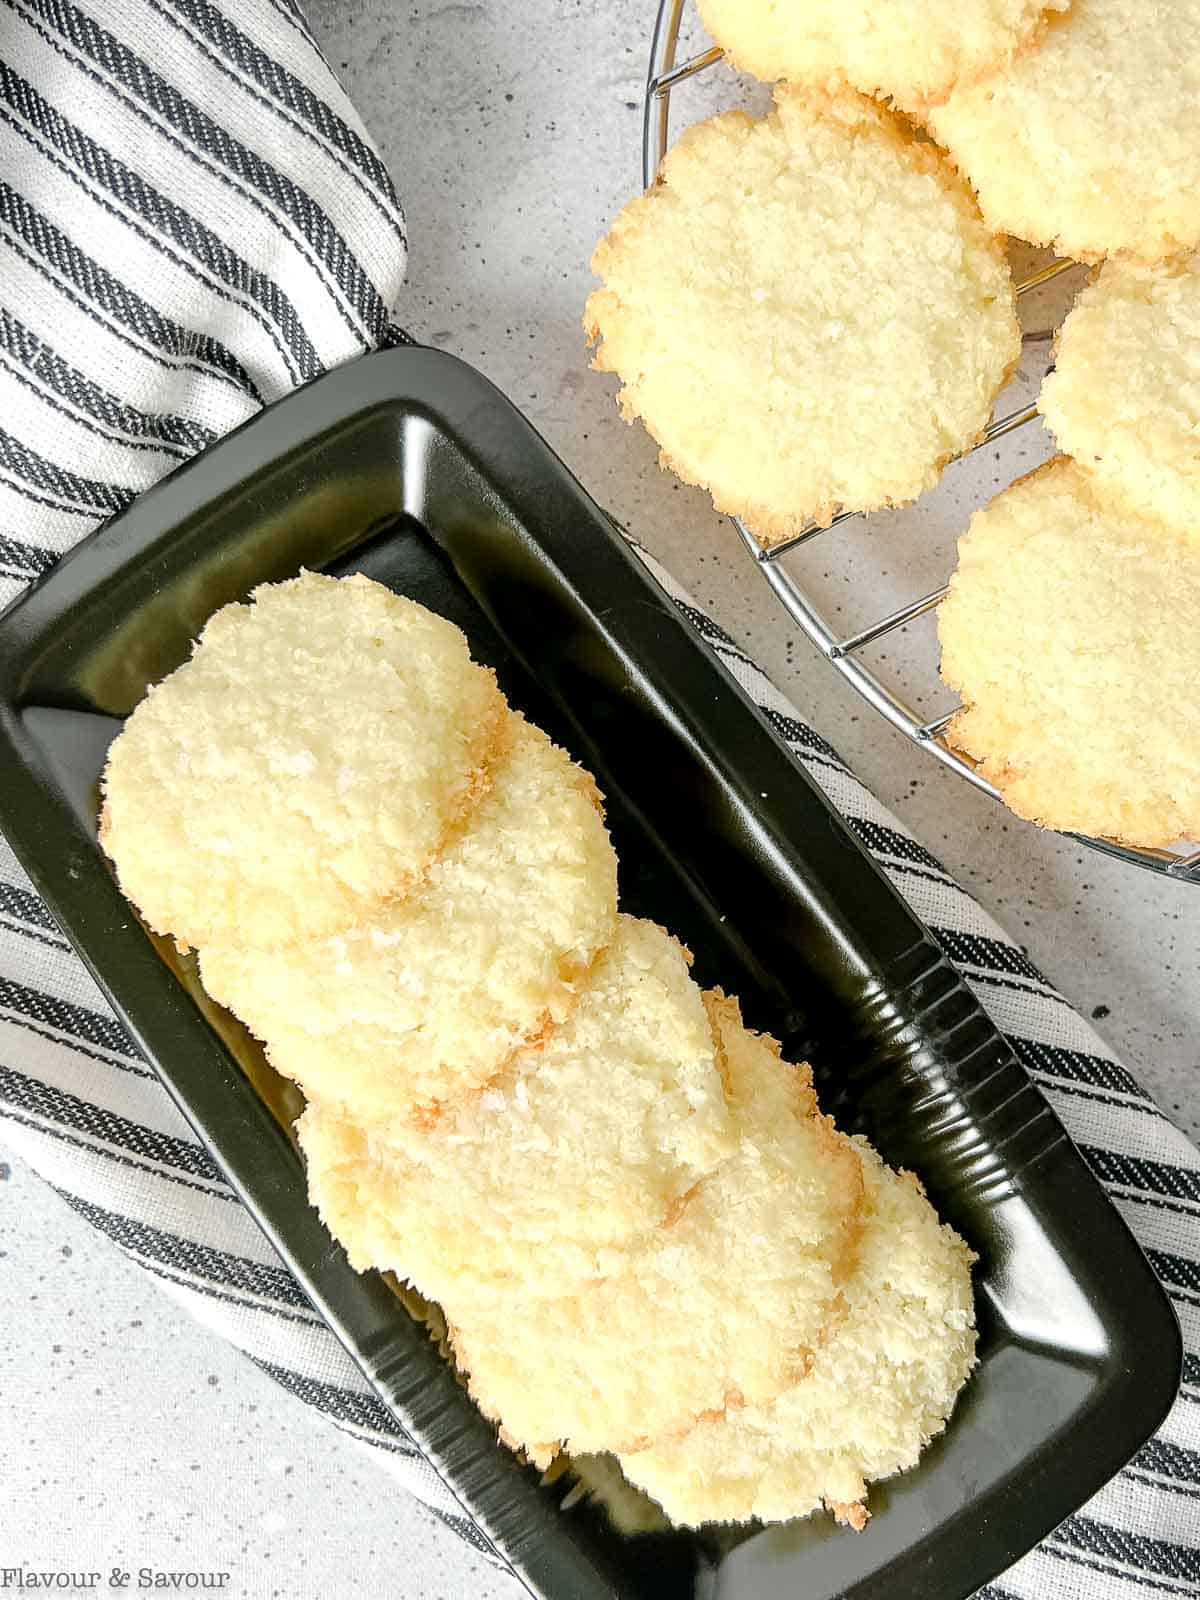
[[131, 1437], [514, 131]]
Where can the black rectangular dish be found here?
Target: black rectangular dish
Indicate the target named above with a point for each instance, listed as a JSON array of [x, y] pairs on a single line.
[[410, 467]]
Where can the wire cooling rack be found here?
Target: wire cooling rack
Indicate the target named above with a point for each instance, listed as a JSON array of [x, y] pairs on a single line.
[[666, 73]]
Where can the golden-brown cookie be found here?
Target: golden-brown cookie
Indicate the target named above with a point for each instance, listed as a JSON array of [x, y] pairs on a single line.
[[720, 1307], [427, 1001], [880, 1387], [1124, 396], [588, 1137], [1090, 143], [302, 768], [1070, 632], [915, 51], [806, 311]]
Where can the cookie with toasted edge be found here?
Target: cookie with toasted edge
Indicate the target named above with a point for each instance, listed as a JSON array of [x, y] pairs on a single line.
[[914, 51], [1069, 631], [878, 1389], [304, 766], [1124, 395], [427, 1001], [721, 1306], [1090, 143], [587, 1138], [805, 311]]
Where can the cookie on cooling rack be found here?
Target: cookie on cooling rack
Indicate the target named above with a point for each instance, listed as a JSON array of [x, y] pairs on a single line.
[[1091, 143], [806, 311], [915, 51], [1069, 631], [1124, 398]]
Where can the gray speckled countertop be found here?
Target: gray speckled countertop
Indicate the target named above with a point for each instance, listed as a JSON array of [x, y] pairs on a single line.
[[132, 1435]]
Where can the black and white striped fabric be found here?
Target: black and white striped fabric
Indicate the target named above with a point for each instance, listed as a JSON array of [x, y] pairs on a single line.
[[192, 222]]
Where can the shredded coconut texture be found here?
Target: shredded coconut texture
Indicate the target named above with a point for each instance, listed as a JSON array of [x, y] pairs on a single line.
[[1090, 143], [302, 768], [879, 1388], [721, 1305], [586, 1139], [806, 311], [426, 1002], [1070, 632], [915, 51], [1124, 395]]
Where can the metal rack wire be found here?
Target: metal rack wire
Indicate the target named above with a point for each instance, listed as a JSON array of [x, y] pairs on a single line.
[[843, 650]]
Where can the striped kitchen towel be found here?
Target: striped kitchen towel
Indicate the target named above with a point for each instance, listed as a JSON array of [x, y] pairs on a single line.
[[192, 222]]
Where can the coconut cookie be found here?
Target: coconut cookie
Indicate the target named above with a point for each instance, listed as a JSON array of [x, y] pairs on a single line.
[[1091, 143], [879, 1388], [805, 311], [586, 1139], [428, 1000], [721, 1306], [1070, 632], [302, 768], [1124, 397], [916, 51]]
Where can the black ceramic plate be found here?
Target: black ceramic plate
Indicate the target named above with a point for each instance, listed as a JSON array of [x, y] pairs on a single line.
[[412, 468]]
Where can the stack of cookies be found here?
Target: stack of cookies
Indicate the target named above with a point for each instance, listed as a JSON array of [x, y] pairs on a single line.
[[645, 1237]]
